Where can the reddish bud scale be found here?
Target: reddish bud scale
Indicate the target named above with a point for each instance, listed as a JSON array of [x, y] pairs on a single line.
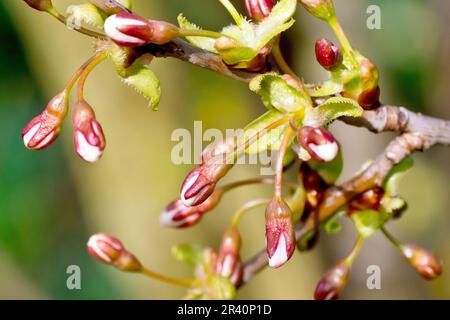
[[315, 188], [424, 261], [319, 143], [328, 55], [258, 9], [369, 200], [332, 283]]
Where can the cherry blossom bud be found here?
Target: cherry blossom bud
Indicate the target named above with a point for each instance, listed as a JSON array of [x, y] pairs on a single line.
[[368, 200], [328, 55], [42, 130], [41, 5], [320, 144], [321, 9], [258, 9], [332, 283], [201, 182], [110, 6], [110, 250], [89, 140], [130, 30], [280, 235], [219, 150], [426, 263], [177, 215], [229, 254]]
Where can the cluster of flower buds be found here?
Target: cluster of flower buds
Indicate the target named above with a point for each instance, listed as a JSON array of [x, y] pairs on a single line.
[[89, 140], [229, 263], [41, 5], [368, 200], [321, 9], [319, 143], [280, 234], [332, 283], [425, 262], [130, 30], [110, 6], [178, 215], [42, 130], [328, 55], [110, 250], [258, 9]]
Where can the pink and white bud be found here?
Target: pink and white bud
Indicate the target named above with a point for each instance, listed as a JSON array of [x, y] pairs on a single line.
[[110, 250], [424, 261], [258, 9], [332, 283], [89, 140], [42, 130], [319, 143], [177, 215], [131, 30], [229, 255], [280, 234]]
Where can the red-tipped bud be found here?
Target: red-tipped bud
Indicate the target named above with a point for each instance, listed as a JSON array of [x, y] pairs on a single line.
[[280, 234], [177, 215], [131, 30], [319, 143], [369, 200], [426, 263], [110, 250], [42, 130], [258, 9], [229, 255], [41, 5], [89, 140], [321, 9], [110, 6], [332, 283], [328, 55]]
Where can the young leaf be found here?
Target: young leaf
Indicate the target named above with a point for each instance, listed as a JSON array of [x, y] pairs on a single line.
[[329, 171], [332, 109], [189, 254], [204, 43], [367, 222], [84, 13], [277, 94], [332, 225], [393, 179], [328, 88]]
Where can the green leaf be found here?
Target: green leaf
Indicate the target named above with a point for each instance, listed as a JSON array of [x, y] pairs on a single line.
[[328, 88], [392, 181], [204, 43], [367, 222], [329, 171], [189, 254], [143, 80], [84, 13], [278, 94], [332, 225], [268, 141], [332, 109]]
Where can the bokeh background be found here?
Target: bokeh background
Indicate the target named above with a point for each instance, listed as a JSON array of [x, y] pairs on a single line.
[[50, 201]]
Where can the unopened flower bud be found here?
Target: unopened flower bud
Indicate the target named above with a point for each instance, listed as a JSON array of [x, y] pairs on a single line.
[[280, 234], [426, 263], [258, 9], [110, 6], [229, 254], [89, 140], [328, 55], [42, 130], [320, 144], [370, 99], [332, 283], [130, 30], [110, 250], [321, 9], [219, 151], [177, 215], [41, 5], [368, 200]]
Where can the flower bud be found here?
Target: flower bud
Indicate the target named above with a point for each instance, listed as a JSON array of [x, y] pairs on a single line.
[[41, 5], [110, 250], [321, 9], [229, 254], [130, 30], [332, 283], [258, 9], [328, 55], [320, 144], [89, 140], [280, 234], [110, 6], [177, 215], [369, 98], [219, 150], [426, 263], [368, 200], [42, 130]]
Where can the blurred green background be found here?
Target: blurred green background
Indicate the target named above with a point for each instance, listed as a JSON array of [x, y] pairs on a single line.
[[50, 201]]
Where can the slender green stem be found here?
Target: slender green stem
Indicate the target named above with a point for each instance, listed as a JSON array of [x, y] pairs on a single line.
[[340, 34], [279, 59], [91, 64], [232, 10], [200, 33], [356, 249], [179, 282], [247, 182], [391, 238], [252, 204], [287, 136]]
